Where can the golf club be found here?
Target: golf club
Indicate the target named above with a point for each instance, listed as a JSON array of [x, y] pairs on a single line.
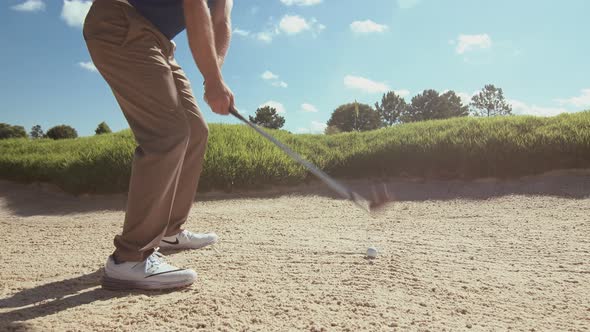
[[378, 201]]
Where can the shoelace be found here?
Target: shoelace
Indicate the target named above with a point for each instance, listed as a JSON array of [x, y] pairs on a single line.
[[188, 235], [154, 260]]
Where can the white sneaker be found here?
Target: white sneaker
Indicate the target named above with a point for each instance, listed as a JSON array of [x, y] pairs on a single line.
[[188, 240], [153, 273]]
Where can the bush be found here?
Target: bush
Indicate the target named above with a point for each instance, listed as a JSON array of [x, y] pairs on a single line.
[[268, 117], [8, 131], [103, 128], [238, 158], [354, 117], [332, 130], [62, 132]]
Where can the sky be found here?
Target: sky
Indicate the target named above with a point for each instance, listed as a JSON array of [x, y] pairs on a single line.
[[307, 57]]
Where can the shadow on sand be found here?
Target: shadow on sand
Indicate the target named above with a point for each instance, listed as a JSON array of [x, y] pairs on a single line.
[[30, 200], [49, 299], [54, 297]]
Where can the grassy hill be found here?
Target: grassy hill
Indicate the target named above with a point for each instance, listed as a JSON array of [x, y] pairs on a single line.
[[237, 158]]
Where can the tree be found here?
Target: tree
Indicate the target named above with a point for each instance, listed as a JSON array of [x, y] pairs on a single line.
[[36, 132], [490, 102], [391, 108], [8, 131], [354, 117], [62, 132], [268, 117], [103, 128], [452, 106], [430, 105]]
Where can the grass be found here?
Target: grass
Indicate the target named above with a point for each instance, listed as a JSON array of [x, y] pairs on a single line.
[[237, 158]]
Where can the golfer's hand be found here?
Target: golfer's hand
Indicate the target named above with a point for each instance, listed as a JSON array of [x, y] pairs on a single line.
[[219, 97]]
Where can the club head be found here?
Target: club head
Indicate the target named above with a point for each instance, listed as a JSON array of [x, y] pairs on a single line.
[[380, 197], [360, 201]]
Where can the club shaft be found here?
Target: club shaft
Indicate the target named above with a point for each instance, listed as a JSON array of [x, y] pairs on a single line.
[[333, 184]]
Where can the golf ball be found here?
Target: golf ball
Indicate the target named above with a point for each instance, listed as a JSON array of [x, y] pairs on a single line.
[[372, 252]]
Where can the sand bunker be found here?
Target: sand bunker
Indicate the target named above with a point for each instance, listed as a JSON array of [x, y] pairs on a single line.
[[485, 255]]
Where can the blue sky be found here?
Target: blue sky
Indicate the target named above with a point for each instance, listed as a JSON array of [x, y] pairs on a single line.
[[307, 57]]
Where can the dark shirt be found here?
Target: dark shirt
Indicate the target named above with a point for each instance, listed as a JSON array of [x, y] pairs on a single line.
[[166, 15]]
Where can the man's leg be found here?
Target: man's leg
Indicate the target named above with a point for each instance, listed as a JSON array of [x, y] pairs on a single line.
[[195, 154], [133, 57]]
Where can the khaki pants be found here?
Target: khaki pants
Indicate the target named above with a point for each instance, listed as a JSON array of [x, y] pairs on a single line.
[[137, 61]]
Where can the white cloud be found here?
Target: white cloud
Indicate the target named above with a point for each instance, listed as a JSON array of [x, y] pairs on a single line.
[[466, 43], [367, 26], [276, 105], [289, 25], [318, 127], [30, 6], [269, 75], [402, 93], [274, 78], [365, 84], [465, 96], [581, 101], [74, 12], [317, 27], [405, 4], [240, 32], [305, 107], [265, 36], [301, 2], [315, 127], [88, 66], [293, 24], [522, 108], [280, 84]]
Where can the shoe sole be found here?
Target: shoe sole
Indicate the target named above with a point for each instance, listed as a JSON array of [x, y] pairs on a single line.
[[118, 284]]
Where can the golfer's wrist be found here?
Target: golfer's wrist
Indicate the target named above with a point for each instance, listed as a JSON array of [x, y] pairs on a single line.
[[213, 77]]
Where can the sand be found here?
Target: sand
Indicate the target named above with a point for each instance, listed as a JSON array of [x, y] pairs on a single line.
[[484, 255]]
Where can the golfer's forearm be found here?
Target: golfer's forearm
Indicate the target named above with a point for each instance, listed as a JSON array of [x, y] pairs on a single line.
[[201, 39], [221, 17], [222, 40]]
